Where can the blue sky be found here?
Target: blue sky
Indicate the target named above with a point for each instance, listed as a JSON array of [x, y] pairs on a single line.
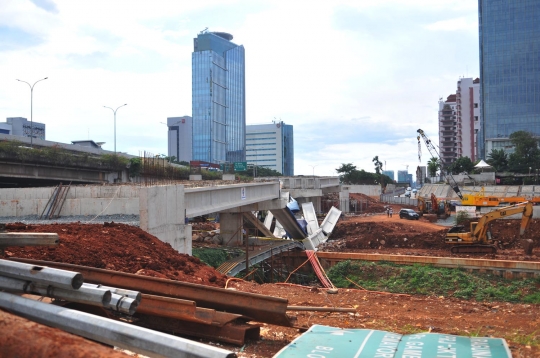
[[356, 78]]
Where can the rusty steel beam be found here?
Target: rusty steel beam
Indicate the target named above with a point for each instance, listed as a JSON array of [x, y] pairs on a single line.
[[183, 310], [235, 333], [450, 262], [321, 309], [28, 239], [256, 307]]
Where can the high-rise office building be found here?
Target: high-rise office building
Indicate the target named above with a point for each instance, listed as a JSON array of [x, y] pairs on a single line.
[[271, 146], [218, 98], [403, 176], [389, 173], [180, 138], [509, 71]]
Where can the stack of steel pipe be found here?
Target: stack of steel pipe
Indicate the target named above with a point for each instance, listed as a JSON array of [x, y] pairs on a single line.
[[65, 285]]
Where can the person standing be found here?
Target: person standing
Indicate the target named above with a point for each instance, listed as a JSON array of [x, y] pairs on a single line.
[[388, 211], [391, 211]]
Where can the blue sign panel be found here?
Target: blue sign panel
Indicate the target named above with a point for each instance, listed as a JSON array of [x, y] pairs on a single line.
[[326, 342]]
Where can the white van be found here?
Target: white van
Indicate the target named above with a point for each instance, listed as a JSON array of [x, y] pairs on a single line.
[[408, 192]]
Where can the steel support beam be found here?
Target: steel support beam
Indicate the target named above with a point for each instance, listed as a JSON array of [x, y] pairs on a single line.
[[259, 308]]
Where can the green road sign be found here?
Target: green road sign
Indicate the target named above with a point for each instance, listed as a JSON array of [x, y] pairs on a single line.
[[325, 342], [240, 166]]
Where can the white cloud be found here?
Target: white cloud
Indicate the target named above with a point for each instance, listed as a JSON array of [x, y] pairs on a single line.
[[457, 24]]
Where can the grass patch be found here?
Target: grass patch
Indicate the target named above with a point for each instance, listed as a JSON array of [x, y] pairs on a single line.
[[532, 339], [429, 280], [214, 257]]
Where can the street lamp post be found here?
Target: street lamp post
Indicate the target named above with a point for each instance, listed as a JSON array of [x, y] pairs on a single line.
[[114, 111], [313, 167], [31, 108]]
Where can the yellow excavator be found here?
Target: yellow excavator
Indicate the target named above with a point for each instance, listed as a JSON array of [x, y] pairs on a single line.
[[479, 240]]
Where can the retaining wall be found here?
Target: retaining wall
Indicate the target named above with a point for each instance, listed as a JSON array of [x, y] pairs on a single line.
[[80, 200], [161, 209]]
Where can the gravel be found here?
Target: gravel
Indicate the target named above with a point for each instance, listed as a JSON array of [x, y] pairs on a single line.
[[90, 219]]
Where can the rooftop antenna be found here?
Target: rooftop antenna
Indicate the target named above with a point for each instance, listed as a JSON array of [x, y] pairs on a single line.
[[204, 31]]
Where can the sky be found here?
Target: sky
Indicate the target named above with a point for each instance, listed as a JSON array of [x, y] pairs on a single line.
[[355, 78]]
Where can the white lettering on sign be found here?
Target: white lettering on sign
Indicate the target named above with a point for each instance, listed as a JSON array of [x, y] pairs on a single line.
[[388, 345], [242, 193], [412, 350], [446, 352], [319, 349], [480, 347], [447, 347]]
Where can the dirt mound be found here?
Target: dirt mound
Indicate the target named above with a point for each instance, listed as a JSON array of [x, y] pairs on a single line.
[[116, 247], [365, 204], [374, 235], [207, 226]]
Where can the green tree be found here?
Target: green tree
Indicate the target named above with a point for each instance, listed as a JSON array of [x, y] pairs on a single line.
[[526, 153], [498, 159], [346, 172], [378, 164], [432, 166], [350, 175], [462, 164]]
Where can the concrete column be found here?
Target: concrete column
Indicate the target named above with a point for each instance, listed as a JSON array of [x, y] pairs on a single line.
[[344, 201], [230, 227], [162, 214]]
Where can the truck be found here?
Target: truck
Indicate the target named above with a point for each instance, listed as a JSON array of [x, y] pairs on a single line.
[[479, 239]]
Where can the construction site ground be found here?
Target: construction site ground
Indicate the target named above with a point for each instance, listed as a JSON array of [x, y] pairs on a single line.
[[129, 249]]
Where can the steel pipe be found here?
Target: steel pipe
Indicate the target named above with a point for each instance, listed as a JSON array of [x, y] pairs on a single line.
[[92, 296], [114, 333], [15, 285], [41, 274], [122, 304], [28, 239], [136, 295]]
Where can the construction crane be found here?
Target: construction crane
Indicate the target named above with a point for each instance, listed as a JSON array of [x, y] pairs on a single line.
[[435, 154]]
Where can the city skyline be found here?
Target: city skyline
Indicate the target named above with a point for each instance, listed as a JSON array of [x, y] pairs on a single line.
[[355, 79]]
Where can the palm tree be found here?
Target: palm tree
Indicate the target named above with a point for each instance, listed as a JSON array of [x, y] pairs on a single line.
[[498, 159], [433, 165]]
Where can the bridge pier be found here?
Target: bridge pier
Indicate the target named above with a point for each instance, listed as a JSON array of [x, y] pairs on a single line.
[[231, 226]]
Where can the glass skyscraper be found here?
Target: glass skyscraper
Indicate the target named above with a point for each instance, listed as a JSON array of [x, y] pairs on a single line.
[[509, 71], [218, 99]]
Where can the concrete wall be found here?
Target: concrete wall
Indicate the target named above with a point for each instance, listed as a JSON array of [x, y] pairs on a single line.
[[369, 190], [80, 200], [161, 208]]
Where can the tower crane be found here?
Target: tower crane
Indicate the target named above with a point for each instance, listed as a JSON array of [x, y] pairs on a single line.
[[435, 154]]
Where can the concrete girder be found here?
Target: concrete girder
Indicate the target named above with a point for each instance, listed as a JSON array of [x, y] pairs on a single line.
[[201, 201], [261, 206]]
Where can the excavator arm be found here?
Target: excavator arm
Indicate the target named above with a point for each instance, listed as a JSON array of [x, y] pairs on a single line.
[[526, 208]]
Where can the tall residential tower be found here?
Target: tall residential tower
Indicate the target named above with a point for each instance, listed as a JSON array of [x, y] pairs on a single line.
[[509, 71], [218, 98]]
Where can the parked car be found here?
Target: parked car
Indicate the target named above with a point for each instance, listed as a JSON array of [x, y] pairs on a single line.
[[408, 214]]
